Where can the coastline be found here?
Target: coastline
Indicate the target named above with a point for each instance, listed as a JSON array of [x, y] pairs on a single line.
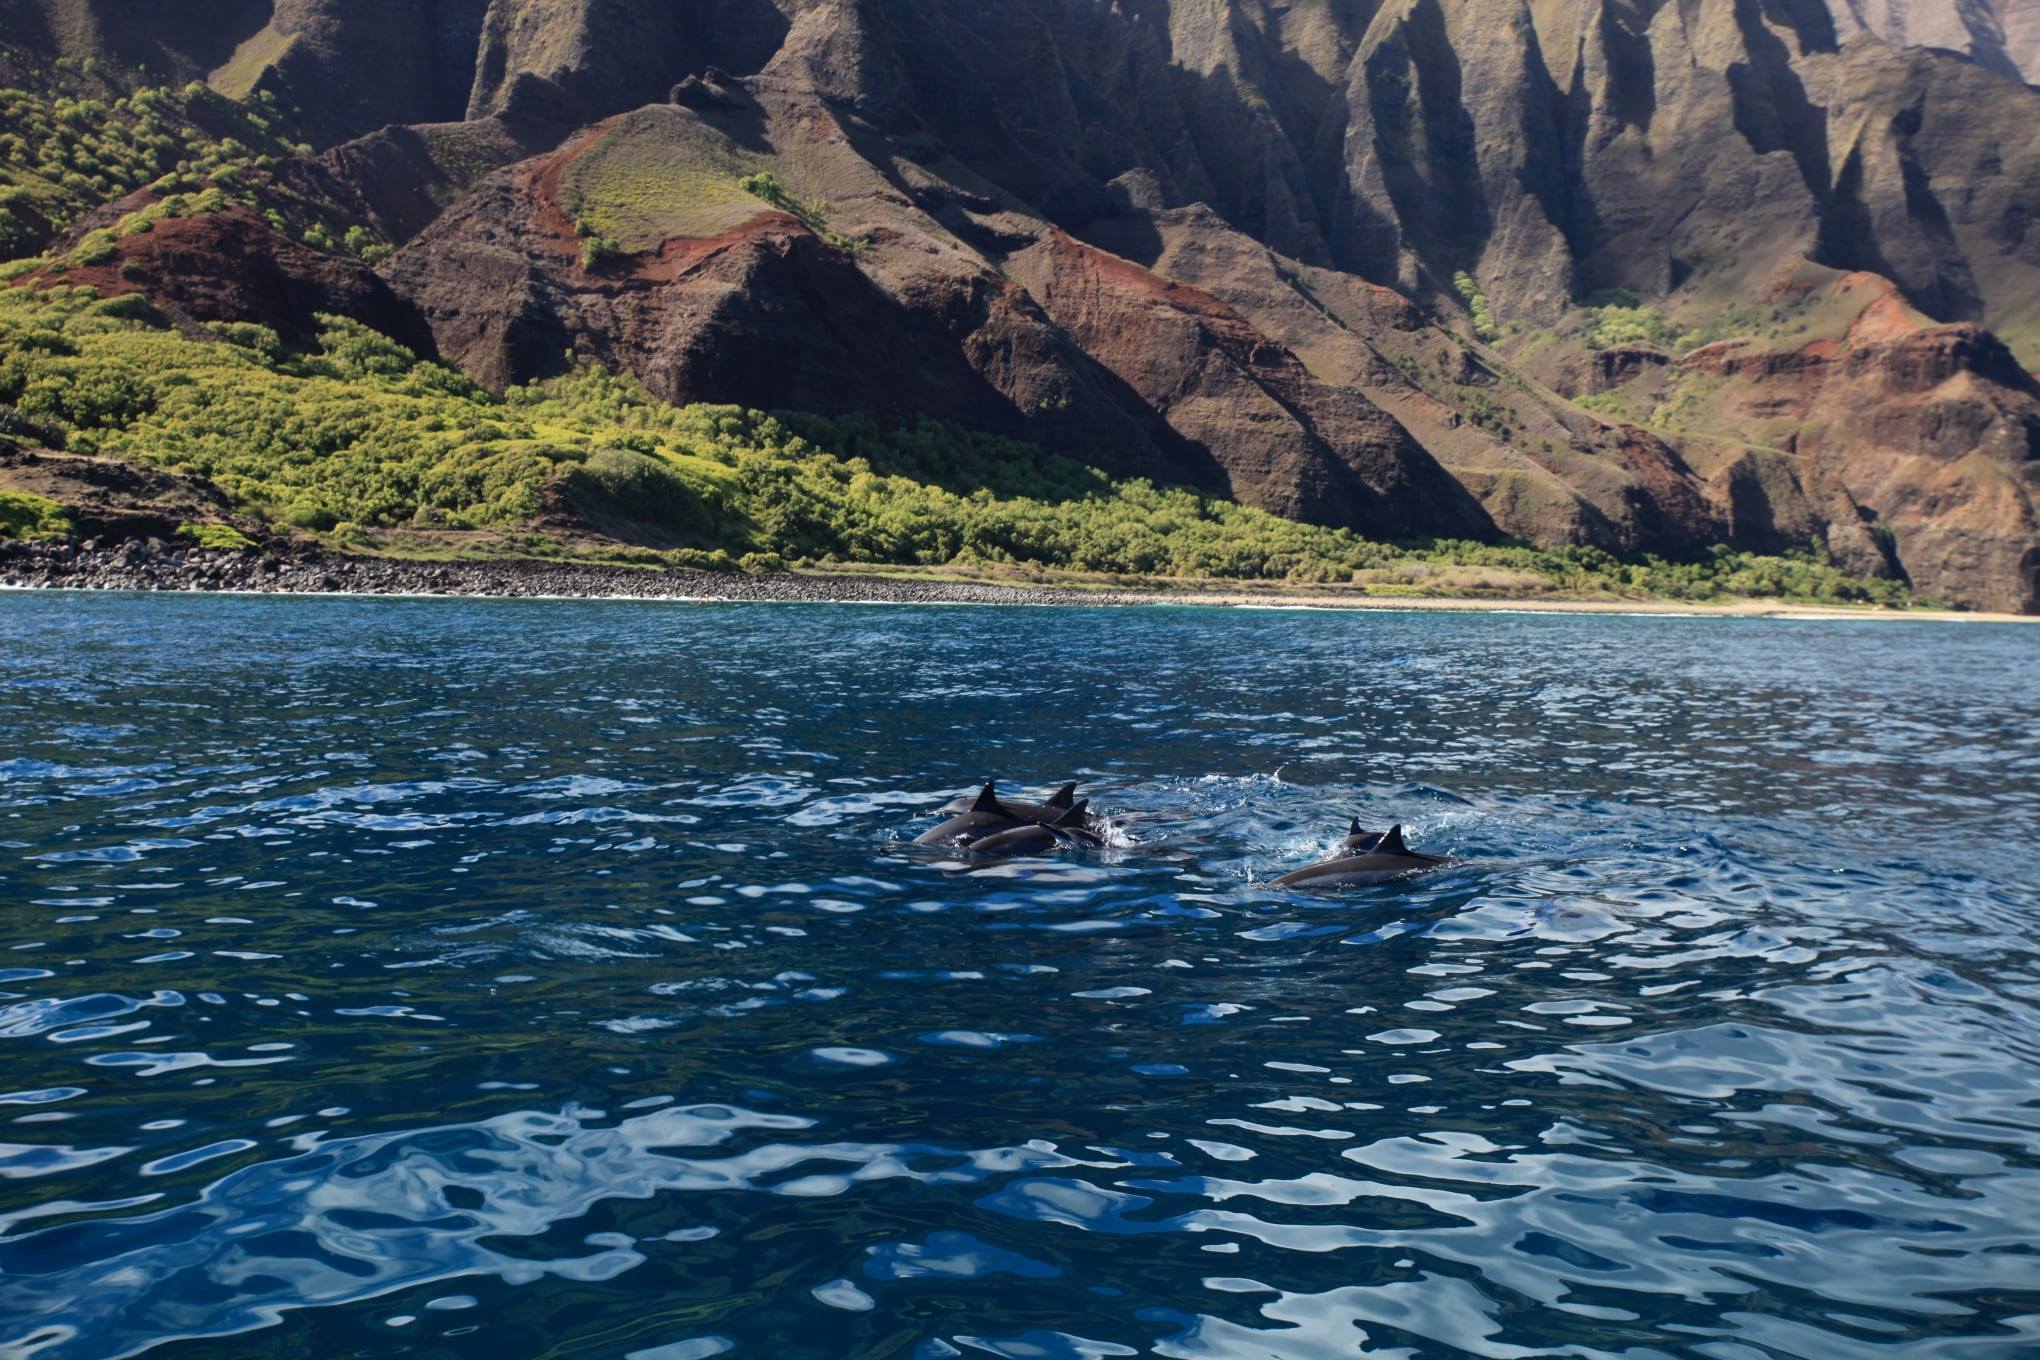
[[155, 566], [1496, 604]]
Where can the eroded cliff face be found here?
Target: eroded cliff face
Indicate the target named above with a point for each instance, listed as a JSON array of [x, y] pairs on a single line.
[[1550, 150], [1029, 331], [1998, 35], [1351, 260], [1544, 147], [1285, 440], [1935, 426]]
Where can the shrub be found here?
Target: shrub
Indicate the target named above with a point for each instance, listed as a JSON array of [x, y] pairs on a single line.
[[696, 559], [597, 251], [813, 215], [31, 518], [1477, 304], [1487, 414], [95, 247], [618, 484], [61, 157], [766, 185], [1617, 327], [129, 307], [216, 537], [249, 336]]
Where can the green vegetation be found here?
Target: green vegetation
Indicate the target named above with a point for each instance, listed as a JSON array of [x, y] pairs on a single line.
[[1477, 303], [1488, 414], [657, 174], [60, 157], [597, 251], [144, 219], [356, 438], [1618, 318], [766, 185], [815, 215], [216, 537], [626, 487], [1620, 327], [236, 79], [27, 517], [1603, 403]]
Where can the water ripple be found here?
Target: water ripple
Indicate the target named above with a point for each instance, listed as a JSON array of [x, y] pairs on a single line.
[[374, 968]]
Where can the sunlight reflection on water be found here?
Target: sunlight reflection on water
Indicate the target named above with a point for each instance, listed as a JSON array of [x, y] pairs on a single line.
[[465, 978]]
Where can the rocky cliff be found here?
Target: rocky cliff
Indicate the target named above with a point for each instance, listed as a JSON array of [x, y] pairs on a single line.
[[2000, 35], [1585, 272]]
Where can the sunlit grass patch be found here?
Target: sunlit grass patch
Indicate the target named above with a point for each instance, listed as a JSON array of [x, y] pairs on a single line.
[[658, 174]]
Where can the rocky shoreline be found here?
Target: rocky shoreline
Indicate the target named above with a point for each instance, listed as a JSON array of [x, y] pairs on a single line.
[[294, 569], [154, 564]]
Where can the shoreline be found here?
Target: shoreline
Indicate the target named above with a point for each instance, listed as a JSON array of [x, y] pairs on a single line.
[[156, 566], [1692, 609]]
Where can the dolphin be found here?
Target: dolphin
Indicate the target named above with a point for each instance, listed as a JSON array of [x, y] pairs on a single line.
[[1039, 838], [1363, 857], [985, 815], [1359, 839], [1022, 809]]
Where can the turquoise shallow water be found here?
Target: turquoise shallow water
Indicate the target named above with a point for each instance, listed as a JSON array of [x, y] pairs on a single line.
[[458, 979]]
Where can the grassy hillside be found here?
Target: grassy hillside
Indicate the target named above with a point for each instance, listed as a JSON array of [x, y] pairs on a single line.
[[356, 439], [62, 156], [655, 174]]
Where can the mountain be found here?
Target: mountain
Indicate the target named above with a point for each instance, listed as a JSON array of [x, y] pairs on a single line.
[[1642, 275], [2001, 35]]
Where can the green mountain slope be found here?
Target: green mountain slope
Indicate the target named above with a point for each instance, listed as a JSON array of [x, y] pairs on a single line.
[[357, 440]]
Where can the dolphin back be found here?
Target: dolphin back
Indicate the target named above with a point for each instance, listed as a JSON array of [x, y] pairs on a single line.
[[1019, 809], [986, 815], [1359, 838], [1351, 870], [1031, 838], [1070, 830], [1364, 857], [950, 829]]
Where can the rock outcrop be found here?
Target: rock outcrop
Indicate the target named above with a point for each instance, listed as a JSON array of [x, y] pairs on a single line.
[[231, 266], [113, 502], [1286, 441], [1936, 427], [1998, 35]]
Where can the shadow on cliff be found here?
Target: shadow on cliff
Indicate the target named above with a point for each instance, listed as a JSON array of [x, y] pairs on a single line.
[[1425, 145]]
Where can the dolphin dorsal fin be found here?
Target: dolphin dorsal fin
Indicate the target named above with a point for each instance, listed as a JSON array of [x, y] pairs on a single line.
[[1391, 842], [987, 801], [1354, 829], [1075, 815], [1065, 796]]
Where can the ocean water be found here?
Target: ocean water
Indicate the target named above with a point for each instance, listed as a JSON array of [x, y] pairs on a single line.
[[536, 979]]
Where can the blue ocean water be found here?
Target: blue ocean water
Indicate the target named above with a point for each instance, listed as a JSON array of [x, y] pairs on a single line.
[[519, 979]]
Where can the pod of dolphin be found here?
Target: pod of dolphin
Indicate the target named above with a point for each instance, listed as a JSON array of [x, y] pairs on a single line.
[[986, 824]]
